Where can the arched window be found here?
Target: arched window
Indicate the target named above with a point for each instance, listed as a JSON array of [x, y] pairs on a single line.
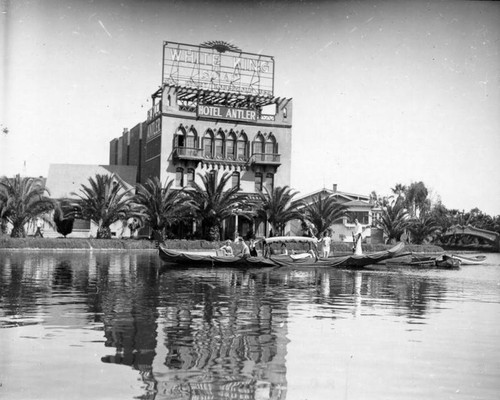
[[230, 146], [241, 147], [179, 177], [270, 145], [219, 145], [207, 145], [191, 139], [235, 180], [180, 138], [258, 145], [269, 182], [190, 176], [258, 181]]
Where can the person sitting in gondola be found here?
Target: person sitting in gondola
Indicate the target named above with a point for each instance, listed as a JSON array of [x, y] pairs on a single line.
[[253, 250], [284, 250], [227, 249], [244, 249]]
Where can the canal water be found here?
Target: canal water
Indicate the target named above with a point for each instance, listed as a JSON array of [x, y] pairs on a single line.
[[120, 325]]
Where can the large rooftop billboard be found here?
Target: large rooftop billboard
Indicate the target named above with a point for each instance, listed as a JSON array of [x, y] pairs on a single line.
[[217, 68]]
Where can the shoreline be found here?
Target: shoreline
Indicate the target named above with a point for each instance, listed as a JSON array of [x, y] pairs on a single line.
[[86, 244]]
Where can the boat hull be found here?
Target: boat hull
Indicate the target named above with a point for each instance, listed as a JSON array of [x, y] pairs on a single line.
[[211, 261], [475, 260]]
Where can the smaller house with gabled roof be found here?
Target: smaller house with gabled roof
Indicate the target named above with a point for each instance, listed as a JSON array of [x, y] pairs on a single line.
[[65, 179], [358, 207]]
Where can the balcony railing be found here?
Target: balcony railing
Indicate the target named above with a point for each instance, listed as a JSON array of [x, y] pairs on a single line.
[[265, 158], [188, 153], [154, 111]]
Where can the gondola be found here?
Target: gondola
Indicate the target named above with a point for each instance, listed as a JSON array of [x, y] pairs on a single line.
[[308, 260], [474, 260], [443, 262]]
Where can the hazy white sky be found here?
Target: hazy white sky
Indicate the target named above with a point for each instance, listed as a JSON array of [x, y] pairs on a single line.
[[384, 92]]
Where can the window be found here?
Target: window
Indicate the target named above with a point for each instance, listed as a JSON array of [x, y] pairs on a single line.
[[190, 176], [269, 183], [180, 140], [241, 146], [258, 146], [190, 140], [258, 182], [219, 142], [235, 180], [179, 177], [207, 145], [361, 216], [270, 147], [230, 147]]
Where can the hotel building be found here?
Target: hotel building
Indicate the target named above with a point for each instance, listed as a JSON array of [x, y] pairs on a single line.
[[214, 111]]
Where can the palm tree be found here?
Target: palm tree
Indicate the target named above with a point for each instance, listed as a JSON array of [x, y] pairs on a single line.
[[399, 190], [422, 228], [323, 212], [23, 200], [212, 204], [105, 203], [393, 220], [278, 207], [162, 205], [416, 198]]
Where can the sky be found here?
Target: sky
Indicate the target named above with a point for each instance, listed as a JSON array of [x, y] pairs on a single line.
[[384, 92]]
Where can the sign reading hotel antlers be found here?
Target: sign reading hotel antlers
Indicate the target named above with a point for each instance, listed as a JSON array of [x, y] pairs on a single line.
[[217, 66], [221, 112]]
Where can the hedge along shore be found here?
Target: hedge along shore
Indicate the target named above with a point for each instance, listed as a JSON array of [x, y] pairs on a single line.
[[31, 243]]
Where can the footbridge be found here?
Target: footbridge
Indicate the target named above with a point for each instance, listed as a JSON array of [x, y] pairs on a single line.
[[469, 236]]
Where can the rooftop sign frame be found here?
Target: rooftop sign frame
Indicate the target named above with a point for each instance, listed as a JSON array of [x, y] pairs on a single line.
[[207, 68]]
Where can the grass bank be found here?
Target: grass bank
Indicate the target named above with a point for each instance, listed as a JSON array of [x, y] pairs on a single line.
[[7, 242]]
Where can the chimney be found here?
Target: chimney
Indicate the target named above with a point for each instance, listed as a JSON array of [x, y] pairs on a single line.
[[334, 188]]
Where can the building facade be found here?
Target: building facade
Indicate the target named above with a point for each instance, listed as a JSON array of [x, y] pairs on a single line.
[[358, 207], [214, 111]]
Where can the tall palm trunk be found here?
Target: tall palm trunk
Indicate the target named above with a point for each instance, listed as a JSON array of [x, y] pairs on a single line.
[[103, 232], [18, 232]]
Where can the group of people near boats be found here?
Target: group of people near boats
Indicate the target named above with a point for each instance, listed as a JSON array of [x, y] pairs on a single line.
[[249, 250], [242, 249]]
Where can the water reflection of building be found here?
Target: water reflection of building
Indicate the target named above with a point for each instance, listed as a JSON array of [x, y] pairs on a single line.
[[226, 334]]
